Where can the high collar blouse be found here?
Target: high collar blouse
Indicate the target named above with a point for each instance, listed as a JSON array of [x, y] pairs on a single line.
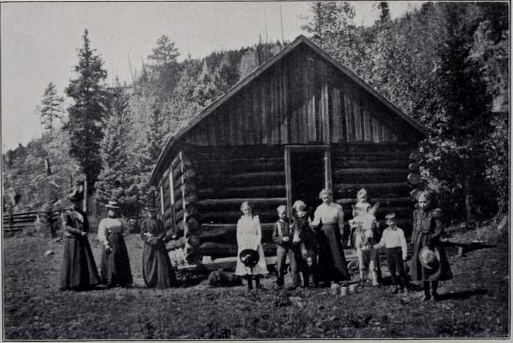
[[329, 214]]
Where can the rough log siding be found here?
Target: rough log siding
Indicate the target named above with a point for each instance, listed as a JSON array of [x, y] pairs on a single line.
[[301, 99], [380, 168]]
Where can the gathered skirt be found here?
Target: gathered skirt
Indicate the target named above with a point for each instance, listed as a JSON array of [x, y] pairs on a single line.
[[115, 267], [78, 269], [419, 273], [157, 269], [332, 265]]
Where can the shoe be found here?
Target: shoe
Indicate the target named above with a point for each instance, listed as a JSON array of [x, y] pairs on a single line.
[[426, 298], [436, 296]]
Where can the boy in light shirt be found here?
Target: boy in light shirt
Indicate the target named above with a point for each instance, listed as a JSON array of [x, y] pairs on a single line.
[[394, 242]]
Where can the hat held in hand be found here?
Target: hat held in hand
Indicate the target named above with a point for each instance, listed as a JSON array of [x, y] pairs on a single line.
[[428, 258], [249, 257]]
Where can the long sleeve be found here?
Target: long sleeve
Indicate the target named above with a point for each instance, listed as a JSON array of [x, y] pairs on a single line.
[[258, 228], [438, 226], [239, 233], [102, 236], [404, 246], [68, 226], [340, 220], [317, 218], [276, 236], [381, 243]]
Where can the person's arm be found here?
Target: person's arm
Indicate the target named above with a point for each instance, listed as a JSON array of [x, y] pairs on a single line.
[[258, 228], [340, 222], [404, 246], [68, 226], [381, 243], [276, 237], [317, 218], [414, 230], [239, 233], [102, 237], [437, 226]]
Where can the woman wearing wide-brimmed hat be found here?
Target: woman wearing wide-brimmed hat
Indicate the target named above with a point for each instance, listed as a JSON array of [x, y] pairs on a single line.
[[78, 270], [115, 266], [157, 269], [429, 262]]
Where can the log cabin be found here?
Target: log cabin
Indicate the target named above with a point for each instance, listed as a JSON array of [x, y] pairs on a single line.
[[298, 123]]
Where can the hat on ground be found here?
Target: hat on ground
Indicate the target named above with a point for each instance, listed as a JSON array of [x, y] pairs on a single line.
[[249, 257], [428, 258], [112, 204]]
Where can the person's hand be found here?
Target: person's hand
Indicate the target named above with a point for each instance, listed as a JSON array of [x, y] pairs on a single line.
[[286, 239], [108, 248], [83, 234]]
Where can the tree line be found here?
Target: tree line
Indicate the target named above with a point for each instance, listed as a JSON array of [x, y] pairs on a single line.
[[444, 64]]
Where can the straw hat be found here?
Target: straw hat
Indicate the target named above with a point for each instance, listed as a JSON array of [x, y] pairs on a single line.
[[428, 258], [249, 257]]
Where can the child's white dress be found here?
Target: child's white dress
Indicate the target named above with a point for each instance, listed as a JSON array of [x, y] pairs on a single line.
[[249, 236]]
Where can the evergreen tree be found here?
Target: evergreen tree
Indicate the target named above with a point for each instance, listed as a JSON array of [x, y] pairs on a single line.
[[117, 180], [51, 108], [164, 65], [87, 114]]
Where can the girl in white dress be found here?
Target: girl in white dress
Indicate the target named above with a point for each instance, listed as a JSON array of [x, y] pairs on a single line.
[[249, 236]]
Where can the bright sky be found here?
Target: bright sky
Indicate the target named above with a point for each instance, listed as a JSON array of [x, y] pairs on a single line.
[[39, 41]]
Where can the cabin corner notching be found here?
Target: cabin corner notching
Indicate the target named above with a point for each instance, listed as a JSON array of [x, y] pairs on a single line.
[[299, 123]]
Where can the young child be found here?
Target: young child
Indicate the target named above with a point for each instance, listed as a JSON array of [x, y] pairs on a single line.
[[249, 236], [282, 236], [394, 242], [361, 208], [304, 244]]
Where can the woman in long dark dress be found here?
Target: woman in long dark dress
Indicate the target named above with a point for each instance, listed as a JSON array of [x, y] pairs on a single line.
[[427, 229], [78, 270], [157, 269], [115, 266], [332, 265]]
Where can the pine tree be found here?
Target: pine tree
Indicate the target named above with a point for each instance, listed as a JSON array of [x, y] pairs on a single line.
[[51, 108], [87, 114], [164, 63], [117, 180]]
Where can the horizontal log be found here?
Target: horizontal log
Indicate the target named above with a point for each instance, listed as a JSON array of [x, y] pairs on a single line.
[[181, 167], [220, 249], [178, 158], [227, 233], [242, 165], [184, 187], [376, 163], [251, 192], [371, 175], [190, 211], [20, 220], [189, 199], [414, 178], [414, 167], [382, 201], [233, 204], [260, 178], [186, 174], [381, 189], [233, 217]]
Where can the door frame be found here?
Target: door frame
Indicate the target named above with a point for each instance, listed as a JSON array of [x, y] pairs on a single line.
[[288, 169]]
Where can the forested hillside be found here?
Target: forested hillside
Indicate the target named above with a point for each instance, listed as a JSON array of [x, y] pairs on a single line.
[[444, 64]]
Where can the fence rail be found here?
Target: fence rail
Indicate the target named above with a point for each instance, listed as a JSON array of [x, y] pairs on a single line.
[[16, 222]]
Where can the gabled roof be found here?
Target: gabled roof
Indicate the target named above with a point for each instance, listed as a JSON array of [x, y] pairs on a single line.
[[260, 70]]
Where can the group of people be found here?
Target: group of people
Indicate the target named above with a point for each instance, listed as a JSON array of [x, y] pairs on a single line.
[[79, 271], [315, 247]]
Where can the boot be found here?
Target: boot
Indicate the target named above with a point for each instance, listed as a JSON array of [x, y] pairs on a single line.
[[250, 282], [434, 290], [257, 282], [427, 295]]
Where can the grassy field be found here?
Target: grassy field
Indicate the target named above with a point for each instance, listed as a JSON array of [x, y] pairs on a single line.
[[475, 304]]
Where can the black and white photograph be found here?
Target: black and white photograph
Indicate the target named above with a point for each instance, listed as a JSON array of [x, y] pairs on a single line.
[[255, 170]]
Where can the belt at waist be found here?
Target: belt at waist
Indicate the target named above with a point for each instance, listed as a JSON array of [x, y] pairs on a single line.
[[394, 248]]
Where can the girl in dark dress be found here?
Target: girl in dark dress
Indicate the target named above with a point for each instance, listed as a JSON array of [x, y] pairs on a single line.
[[78, 270], [157, 269], [115, 267], [427, 230]]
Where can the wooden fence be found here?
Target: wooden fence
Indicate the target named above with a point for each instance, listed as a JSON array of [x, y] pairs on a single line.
[[17, 222]]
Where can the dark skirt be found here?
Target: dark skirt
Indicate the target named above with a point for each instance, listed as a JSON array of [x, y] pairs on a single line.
[[78, 267], [157, 269], [332, 265], [419, 273], [115, 267]]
